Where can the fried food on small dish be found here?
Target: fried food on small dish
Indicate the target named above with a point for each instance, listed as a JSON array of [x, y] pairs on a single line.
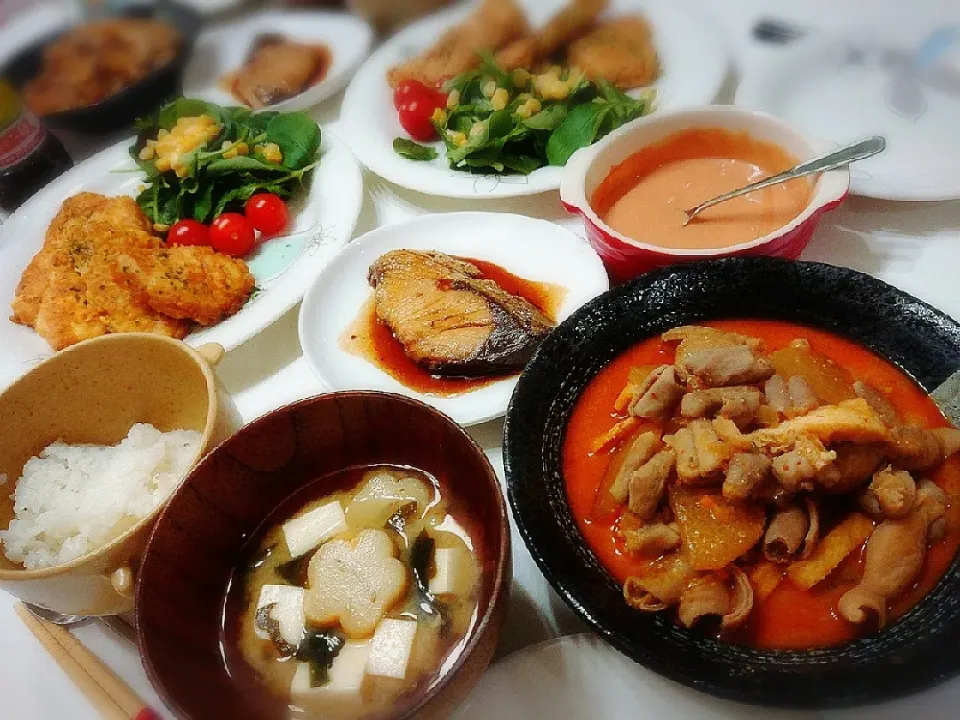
[[82, 283], [277, 69], [567, 25], [493, 25], [189, 283], [619, 51], [98, 59]]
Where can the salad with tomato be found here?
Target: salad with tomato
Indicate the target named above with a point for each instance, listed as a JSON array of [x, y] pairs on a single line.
[[220, 176]]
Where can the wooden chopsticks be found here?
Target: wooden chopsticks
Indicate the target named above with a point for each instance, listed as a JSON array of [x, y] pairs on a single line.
[[108, 693]]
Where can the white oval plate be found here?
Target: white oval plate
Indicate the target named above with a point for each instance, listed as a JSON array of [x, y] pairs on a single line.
[[845, 88], [225, 47], [532, 249], [580, 676], [323, 222], [694, 64]]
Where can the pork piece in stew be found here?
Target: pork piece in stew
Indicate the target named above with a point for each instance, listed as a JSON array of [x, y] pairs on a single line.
[[769, 483]]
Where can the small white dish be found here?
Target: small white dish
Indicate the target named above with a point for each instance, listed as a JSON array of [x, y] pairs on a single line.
[[580, 676], [225, 48], [323, 222], [529, 248], [845, 88], [693, 58], [212, 7]]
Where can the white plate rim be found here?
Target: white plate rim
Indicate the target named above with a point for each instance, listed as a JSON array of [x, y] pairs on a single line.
[[323, 26], [590, 263], [794, 60], [380, 158], [284, 291]]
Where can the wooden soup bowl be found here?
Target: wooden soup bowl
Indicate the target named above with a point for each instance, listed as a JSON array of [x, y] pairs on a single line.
[[206, 529]]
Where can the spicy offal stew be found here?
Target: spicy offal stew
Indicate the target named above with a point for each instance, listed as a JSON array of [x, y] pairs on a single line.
[[354, 602], [771, 484]]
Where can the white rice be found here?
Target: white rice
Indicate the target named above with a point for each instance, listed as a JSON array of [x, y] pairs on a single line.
[[73, 499]]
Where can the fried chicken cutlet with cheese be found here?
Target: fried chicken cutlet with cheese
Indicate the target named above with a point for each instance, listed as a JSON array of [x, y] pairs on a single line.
[[101, 271]]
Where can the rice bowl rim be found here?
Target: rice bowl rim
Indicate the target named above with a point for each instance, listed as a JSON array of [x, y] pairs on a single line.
[[210, 379]]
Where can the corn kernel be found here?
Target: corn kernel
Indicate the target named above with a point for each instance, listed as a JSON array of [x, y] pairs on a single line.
[[160, 227], [500, 99], [270, 152], [534, 106], [453, 99], [230, 154], [439, 116], [162, 134], [489, 88], [163, 164], [523, 112], [147, 152], [457, 137], [555, 71], [242, 148], [520, 77]]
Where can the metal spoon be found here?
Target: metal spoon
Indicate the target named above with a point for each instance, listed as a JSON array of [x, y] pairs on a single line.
[[831, 161], [120, 627]]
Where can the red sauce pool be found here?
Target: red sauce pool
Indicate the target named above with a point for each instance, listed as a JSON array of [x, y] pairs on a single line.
[[789, 618], [372, 340]]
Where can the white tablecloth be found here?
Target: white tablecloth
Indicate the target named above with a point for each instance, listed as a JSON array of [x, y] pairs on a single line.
[[914, 246]]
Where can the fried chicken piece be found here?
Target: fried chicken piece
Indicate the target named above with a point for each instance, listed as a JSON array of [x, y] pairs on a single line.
[[494, 24], [189, 282], [568, 24], [619, 51]]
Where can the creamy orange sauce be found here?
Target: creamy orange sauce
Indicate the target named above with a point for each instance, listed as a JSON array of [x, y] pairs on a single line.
[[645, 196], [790, 617]]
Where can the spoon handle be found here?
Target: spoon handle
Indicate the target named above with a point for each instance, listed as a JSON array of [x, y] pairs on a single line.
[[832, 160]]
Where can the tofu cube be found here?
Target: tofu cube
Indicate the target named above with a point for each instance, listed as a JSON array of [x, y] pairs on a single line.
[[391, 647], [453, 571], [306, 532], [288, 611], [346, 675]]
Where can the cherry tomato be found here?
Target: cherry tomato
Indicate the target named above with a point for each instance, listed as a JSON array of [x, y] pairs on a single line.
[[232, 234], [267, 213], [416, 104], [188, 232], [409, 90]]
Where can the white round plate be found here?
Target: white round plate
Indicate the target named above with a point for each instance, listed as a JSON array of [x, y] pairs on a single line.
[[580, 676], [694, 64], [225, 47], [845, 88], [323, 222], [532, 249], [212, 7]]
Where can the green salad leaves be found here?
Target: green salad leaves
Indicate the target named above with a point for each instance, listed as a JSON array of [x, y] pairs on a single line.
[[516, 123], [249, 153]]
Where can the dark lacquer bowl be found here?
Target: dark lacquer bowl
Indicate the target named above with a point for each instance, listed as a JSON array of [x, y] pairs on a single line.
[[123, 107], [917, 651], [204, 531]]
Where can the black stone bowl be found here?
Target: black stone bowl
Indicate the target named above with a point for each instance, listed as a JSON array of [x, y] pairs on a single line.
[[917, 651], [122, 108]]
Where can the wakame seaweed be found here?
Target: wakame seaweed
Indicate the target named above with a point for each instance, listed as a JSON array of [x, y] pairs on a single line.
[[320, 648]]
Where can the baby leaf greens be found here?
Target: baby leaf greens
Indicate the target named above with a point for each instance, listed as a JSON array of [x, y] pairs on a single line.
[[516, 122], [200, 168]]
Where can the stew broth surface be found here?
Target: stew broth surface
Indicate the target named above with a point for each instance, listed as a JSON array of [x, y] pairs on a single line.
[[789, 618]]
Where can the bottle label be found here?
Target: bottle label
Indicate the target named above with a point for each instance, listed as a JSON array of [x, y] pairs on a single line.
[[20, 132]]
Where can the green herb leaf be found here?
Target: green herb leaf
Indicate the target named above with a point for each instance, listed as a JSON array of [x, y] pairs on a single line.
[[242, 163], [298, 137], [413, 151], [578, 130]]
